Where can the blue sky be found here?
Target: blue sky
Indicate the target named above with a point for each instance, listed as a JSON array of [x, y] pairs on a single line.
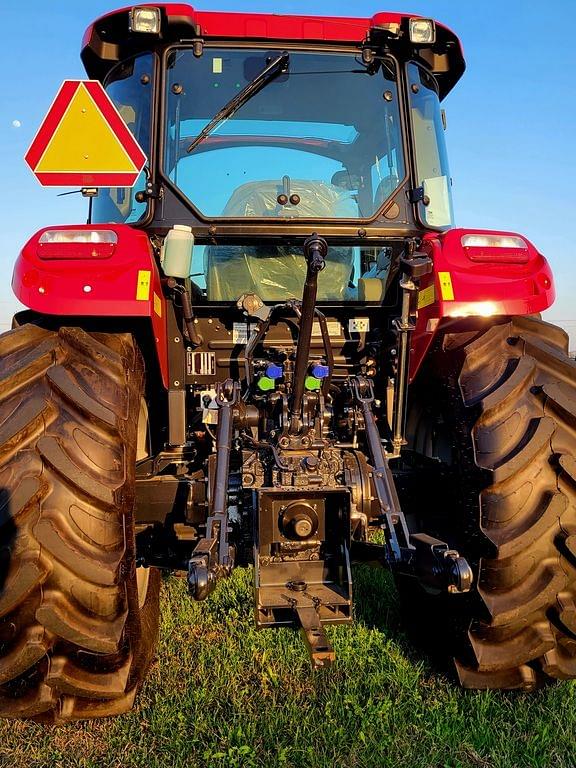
[[511, 119]]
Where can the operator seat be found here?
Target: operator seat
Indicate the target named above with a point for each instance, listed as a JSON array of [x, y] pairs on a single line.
[[385, 188], [277, 273]]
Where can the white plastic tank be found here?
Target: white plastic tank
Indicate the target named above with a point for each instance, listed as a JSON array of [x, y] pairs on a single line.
[[177, 251]]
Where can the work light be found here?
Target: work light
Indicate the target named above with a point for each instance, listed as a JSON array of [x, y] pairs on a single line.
[[422, 31], [145, 20], [474, 309]]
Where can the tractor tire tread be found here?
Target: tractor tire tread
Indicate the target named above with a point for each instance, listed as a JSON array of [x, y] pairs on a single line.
[[524, 429], [74, 641]]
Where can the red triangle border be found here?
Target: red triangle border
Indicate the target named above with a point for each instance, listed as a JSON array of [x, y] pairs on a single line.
[[109, 112]]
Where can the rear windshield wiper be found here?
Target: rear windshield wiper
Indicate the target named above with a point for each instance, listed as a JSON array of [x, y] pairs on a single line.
[[277, 67]]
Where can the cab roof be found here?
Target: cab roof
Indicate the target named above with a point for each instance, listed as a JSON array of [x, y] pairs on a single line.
[[109, 39]]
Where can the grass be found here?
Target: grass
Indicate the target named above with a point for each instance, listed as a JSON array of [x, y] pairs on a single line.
[[224, 695]]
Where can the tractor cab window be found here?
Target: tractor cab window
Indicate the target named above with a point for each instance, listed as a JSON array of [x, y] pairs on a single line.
[[430, 148], [129, 85], [319, 138], [274, 272], [277, 272]]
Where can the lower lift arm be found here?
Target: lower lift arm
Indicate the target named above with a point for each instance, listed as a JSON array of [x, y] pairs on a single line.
[[429, 560], [214, 556]]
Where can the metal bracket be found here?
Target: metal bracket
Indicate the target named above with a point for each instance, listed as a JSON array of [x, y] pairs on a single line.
[[416, 195], [321, 652], [150, 192], [177, 384]]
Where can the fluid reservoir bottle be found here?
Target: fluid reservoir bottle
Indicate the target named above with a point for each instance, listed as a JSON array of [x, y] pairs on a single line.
[[177, 251]]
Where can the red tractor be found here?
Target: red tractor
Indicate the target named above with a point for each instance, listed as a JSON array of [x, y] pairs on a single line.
[[276, 351]]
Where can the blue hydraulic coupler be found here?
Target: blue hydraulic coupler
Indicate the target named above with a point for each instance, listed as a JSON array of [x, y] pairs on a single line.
[[274, 371], [320, 371]]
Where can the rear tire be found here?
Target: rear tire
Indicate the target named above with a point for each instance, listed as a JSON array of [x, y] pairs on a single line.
[[76, 635], [502, 402]]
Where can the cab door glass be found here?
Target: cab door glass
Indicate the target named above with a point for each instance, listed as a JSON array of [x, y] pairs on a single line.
[[432, 169], [129, 85]]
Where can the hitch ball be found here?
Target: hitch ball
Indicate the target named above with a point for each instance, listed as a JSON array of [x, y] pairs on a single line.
[[299, 520]]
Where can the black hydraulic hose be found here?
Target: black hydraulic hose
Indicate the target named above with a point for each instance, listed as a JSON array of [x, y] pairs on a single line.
[[188, 317], [187, 312], [256, 337], [405, 328], [315, 250]]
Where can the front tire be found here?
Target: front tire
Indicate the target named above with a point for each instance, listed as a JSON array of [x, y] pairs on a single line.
[[76, 633], [495, 411]]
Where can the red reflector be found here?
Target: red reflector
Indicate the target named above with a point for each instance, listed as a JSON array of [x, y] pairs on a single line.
[[544, 281], [497, 255], [75, 250]]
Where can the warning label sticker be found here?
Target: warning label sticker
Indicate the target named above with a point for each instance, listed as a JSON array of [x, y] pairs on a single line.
[[359, 324], [446, 290], [333, 326], [426, 296], [143, 285], [240, 333], [209, 406]]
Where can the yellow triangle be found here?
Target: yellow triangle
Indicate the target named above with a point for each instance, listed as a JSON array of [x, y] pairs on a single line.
[[84, 142]]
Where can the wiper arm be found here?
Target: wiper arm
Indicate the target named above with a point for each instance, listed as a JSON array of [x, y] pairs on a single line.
[[275, 68]]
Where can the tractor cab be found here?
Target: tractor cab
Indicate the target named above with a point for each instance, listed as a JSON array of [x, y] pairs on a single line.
[[335, 127]]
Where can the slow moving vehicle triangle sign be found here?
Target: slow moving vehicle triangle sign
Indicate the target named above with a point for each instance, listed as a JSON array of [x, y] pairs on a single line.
[[83, 141]]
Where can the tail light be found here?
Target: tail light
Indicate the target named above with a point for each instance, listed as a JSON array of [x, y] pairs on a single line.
[[495, 249], [76, 244]]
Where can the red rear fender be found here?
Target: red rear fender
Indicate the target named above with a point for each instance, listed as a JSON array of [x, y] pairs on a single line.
[[105, 270], [482, 273]]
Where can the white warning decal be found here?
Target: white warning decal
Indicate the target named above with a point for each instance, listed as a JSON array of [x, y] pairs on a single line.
[[240, 333], [359, 324]]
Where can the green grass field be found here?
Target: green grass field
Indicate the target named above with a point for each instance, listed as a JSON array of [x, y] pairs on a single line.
[[222, 694]]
